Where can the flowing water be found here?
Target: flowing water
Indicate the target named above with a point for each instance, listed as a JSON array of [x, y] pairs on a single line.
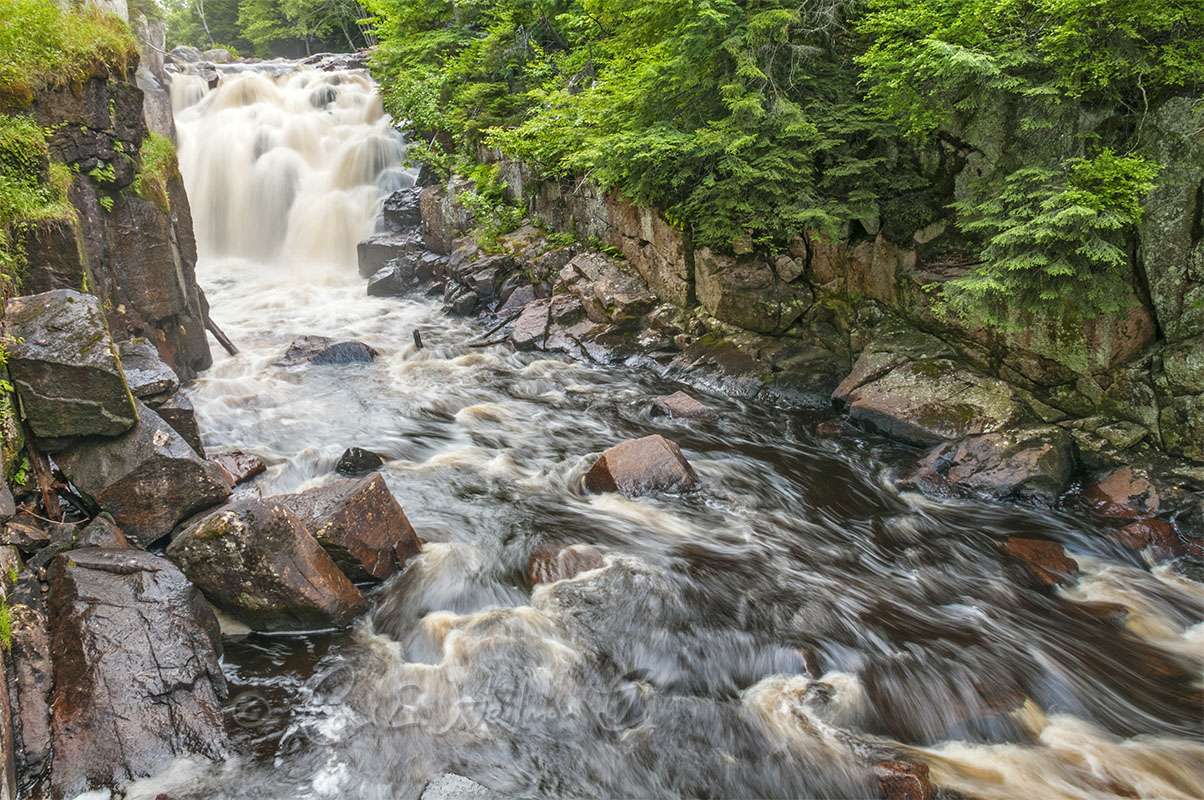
[[766, 636]]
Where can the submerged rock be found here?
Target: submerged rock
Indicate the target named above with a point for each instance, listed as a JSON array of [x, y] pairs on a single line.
[[549, 564], [641, 466], [257, 561], [1025, 464], [64, 366], [1046, 561], [149, 479], [137, 681], [358, 461], [323, 350], [390, 281], [1156, 535], [359, 523], [904, 780], [145, 372]]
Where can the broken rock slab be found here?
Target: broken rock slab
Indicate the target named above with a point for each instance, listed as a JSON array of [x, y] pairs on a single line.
[[359, 523], [240, 466], [65, 368], [149, 479], [257, 561], [1033, 464], [641, 466], [145, 372], [137, 681]]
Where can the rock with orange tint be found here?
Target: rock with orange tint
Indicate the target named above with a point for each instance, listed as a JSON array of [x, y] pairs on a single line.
[[903, 780], [642, 466], [550, 563], [1124, 493], [1046, 561], [1155, 534]]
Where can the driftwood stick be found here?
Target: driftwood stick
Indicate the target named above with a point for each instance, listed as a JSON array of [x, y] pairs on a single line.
[[47, 486], [221, 337], [417, 339]]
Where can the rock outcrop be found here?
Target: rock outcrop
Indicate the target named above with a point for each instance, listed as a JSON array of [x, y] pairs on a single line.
[[323, 350], [1019, 464], [149, 479], [257, 561], [122, 711], [65, 367]]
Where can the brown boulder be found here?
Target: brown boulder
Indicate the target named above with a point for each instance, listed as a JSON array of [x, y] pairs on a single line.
[[240, 466], [549, 564], [359, 523], [1155, 534], [137, 681], [1046, 561], [903, 780], [256, 560], [102, 532], [149, 479], [1026, 464], [1124, 493], [680, 405], [641, 466]]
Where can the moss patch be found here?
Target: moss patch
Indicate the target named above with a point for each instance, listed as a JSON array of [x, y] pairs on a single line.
[[158, 167]]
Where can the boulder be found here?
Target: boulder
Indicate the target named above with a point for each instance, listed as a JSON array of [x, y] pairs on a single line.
[[64, 366], [257, 561], [444, 219], [1156, 535], [145, 373], [1124, 493], [323, 350], [378, 251], [358, 461], [32, 675], [641, 466], [240, 466], [149, 479], [607, 291], [137, 681], [1022, 464], [450, 786], [177, 411], [748, 293], [102, 531], [530, 330], [549, 564], [402, 210], [390, 281], [1045, 561], [929, 401], [359, 523], [185, 54], [218, 55], [904, 780], [8, 506], [679, 405]]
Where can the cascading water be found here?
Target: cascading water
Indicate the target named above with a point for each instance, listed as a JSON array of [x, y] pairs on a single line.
[[767, 637]]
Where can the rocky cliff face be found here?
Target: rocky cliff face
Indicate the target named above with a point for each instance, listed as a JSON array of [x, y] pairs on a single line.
[[130, 246]]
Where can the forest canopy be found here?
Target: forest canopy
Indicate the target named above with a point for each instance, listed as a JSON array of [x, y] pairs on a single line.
[[756, 122], [265, 27]]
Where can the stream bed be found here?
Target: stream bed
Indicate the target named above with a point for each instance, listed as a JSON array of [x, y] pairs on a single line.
[[769, 635]]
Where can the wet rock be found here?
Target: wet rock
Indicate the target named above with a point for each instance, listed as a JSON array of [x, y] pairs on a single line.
[[177, 411], [641, 466], [1124, 493], [607, 291], [680, 405], [402, 210], [184, 54], [1025, 464], [530, 330], [518, 299], [549, 564], [149, 479], [358, 461], [1156, 535], [64, 366], [930, 401], [32, 675], [444, 219], [1046, 561], [257, 561], [218, 55], [145, 373], [323, 350], [8, 506], [240, 466], [449, 786], [383, 249], [391, 281], [137, 681], [904, 780], [102, 532], [359, 523], [26, 534]]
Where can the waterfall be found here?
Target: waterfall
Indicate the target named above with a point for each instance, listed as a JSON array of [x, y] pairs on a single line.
[[285, 169]]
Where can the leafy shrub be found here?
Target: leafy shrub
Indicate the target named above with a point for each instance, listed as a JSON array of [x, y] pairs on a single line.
[[158, 166]]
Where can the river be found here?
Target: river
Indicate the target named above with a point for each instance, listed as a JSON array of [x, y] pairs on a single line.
[[766, 636]]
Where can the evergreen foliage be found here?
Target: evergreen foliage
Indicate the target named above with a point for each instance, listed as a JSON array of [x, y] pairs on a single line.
[[753, 123], [267, 27]]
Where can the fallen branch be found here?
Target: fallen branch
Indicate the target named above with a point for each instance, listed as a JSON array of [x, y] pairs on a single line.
[[221, 337]]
